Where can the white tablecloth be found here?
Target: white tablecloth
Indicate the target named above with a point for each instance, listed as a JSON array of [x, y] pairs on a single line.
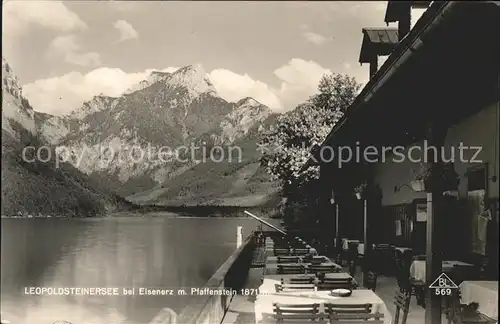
[[483, 292], [417, 268], [264, 303], [345, 243]]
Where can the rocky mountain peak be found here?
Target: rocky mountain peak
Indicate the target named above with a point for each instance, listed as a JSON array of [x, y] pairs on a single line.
[[16, 110], [194, 78], [192, 69], [249, 101], [152, 78], [10, 83], [98, 103], [167, 108]]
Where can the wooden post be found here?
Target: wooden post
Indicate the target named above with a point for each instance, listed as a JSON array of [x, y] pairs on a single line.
[[337, 238], [374, 66], [434, 268], [404, 24], [365, 239], [433, 262], [365, 222], [239, 236]]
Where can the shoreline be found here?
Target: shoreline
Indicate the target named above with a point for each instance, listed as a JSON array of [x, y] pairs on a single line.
[[204, 211], [130, 216], [49, 216]]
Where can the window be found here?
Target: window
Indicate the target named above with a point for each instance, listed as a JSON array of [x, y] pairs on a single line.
[[476, 178]]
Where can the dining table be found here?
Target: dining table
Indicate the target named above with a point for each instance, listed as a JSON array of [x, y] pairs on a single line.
[[270, 251], [485, 293], [417, 268], [345, 243], [361, 248], [274, 259], [263, 307], [272, 268]]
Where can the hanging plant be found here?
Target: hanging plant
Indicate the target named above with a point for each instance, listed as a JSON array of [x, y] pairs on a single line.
[[359, 190], [446, 179], [419, 178]]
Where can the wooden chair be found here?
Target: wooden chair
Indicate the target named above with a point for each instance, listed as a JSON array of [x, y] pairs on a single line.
[[406, 284], [384, 255], [301, 280], [348, 309], [296, 313], [403, 262], [291, 269], [330, 284], [370, 281], [338, 258], [301, 251], [282, 248], [403, 277], [352, 257], [282, 252], [319, 268], [315, 261], [459, 314], [293, 287], [402, 302], [337, 318], [288, 259]]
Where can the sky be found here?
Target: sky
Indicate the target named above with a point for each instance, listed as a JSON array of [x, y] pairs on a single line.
[[66, 52]]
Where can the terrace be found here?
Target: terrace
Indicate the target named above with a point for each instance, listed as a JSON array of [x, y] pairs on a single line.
[[304, 291], [440, 86]]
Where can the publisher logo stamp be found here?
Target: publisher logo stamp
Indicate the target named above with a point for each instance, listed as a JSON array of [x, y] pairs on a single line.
[[443, 285]]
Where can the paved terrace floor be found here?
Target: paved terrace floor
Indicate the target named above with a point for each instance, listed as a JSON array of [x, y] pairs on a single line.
[[241, 309]]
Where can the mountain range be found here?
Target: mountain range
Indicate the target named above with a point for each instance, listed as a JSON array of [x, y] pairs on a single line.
[[170, 139], [34, 181]]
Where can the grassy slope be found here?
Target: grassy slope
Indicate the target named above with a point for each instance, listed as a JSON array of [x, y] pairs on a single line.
[[41, 188], [242, 183]]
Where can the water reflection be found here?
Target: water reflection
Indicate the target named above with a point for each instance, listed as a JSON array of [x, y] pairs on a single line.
[[123, 253]]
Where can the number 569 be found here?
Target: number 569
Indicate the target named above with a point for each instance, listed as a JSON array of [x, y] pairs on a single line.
[[443, 291]]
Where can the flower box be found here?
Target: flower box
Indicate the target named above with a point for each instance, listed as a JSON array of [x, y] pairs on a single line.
[[451, 193], [418, 185], [359, 191]]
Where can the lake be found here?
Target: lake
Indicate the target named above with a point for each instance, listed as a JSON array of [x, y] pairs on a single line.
[[120, 252]]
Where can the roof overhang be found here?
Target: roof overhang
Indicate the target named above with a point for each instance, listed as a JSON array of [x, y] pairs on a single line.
[[409, 59], [377, 41]]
